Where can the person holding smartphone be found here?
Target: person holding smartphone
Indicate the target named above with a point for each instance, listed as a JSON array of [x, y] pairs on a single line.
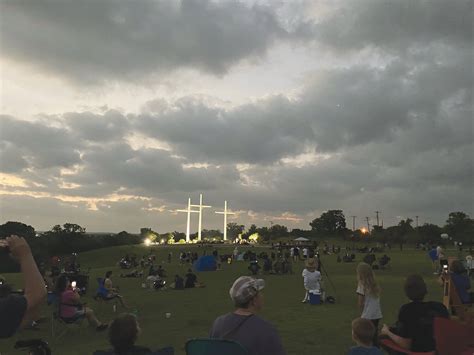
[[19, 310]]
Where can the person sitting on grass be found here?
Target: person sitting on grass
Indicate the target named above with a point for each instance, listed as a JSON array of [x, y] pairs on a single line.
[[243, 325], [111, 291], [178, 283], [363, 331], [123, 333], [70, 308], [414, 329], [191, 280]]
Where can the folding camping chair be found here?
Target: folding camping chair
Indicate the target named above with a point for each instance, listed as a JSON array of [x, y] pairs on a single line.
[[58, 321], [102, 293], [453, 338]]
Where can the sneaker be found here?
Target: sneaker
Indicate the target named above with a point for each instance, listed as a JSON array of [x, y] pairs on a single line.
[[101, 327]]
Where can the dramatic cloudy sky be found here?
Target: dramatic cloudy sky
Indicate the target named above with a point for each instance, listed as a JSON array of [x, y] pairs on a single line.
[[113, 113]]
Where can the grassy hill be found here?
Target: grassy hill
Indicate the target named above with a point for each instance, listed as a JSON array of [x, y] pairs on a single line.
[[304, 329]]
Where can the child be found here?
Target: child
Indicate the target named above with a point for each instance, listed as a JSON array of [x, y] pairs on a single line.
[[368, 296], [311, 278], [363, 332]]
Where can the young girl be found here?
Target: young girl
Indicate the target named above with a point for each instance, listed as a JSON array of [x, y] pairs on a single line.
[[368, 296], [311, 278]]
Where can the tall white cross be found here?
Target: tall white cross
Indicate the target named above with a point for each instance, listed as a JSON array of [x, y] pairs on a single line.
[[188, 211], [201, 206], [225, 213]]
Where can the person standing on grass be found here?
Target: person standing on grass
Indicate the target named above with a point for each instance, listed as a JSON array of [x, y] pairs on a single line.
[[368, 296], [311, 278], [243, 325]]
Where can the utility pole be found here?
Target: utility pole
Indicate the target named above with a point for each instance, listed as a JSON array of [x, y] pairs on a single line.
[[416, 221], [377, 214], [353, 222], [368, 224]]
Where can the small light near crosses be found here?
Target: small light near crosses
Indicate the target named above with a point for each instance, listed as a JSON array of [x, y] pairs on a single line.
[[147, 242], [364, 230]]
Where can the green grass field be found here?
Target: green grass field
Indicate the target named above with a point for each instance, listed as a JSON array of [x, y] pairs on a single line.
[[304, 329]]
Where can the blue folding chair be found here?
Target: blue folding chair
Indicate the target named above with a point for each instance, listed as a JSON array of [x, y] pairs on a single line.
[[102, 293], [208, 346]]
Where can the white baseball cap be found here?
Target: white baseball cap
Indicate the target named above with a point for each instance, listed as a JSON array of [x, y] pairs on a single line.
[[245, 288]]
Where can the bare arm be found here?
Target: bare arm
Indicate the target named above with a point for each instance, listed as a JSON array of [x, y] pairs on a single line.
[[35, 290], [402, 342]]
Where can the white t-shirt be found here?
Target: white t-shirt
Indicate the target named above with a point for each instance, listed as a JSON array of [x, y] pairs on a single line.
[[371, 305], [311, 280], [305, 252]]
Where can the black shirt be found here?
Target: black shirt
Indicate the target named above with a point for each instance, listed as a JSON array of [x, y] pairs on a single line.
[[12, 311], [415, 322], [190, 280]]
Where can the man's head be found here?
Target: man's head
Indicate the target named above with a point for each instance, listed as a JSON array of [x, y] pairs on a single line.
[[246, 292], [415, 288], [363, 331], [108, 274], [123, 332]]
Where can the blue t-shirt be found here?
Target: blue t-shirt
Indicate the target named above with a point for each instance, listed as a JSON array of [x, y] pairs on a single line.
[[362, 350], [462, 284]]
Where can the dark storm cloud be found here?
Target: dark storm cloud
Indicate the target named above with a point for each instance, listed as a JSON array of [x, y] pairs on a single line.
[[396, 25], [261, 132], [42, 146], [110, 126], [91, 41], [145, 172], [397, 131], [339, 108]]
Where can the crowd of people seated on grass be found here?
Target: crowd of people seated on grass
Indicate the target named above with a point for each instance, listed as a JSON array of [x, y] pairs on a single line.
[[412, 331]]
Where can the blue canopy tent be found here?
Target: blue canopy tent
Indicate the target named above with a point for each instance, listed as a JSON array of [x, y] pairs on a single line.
[[205, 263]]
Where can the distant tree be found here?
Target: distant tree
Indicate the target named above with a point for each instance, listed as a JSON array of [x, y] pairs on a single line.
[[211, 233], [331, 222], [71, 228], [234, 229], [17, 228], [264, 233], [252, 230], [378, 234], [460, 226], [278, 231], [144, 231], [428, 233], [178, 235]]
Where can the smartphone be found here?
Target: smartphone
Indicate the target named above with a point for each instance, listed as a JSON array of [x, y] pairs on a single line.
[[73, 285]]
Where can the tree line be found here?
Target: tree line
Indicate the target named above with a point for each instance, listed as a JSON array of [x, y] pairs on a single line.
[[71, 237]]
